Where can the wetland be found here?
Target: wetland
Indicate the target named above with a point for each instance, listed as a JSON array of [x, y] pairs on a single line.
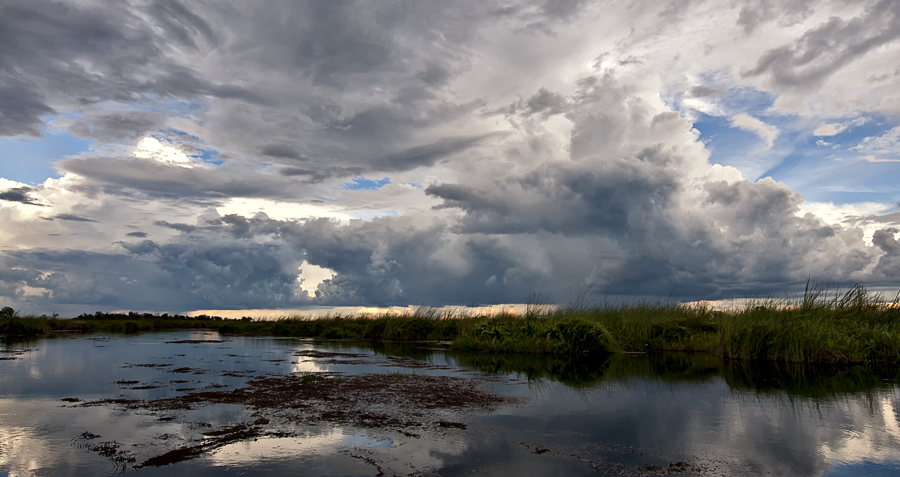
[[209, 403]]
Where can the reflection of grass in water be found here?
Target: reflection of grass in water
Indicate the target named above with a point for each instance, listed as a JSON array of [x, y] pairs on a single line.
[[588, 371], [811, 381], [797, 379], [582, 371], [850, 327]]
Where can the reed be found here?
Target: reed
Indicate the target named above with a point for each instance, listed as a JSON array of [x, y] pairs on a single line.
[[821, 326]]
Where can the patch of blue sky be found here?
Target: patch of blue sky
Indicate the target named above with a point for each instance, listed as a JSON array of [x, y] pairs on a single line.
[[842, 181], [361, 183], [178, 132], [834, 169], [30, 160], [750, 101], [740, 148], [730, 146], [208, 156], [821, 168], [839, 175], [853, 136]]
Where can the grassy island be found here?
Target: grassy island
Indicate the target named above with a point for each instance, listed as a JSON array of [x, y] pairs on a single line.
[[850, 327]]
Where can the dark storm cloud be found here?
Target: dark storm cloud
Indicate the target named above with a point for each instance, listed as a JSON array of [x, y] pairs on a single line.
[[627, 190], [72, 218], [559, 199], [889, 264], [282, 151], [152, 276], [137, 234], [118, 126], [822, 51], [178, 227], [116, 176], [305, 57], [393, 261], [333, 43], [299, 57], [19, 194], [320, 174], [21, 108], [58, 54], [427, 154], [70, 277], [398, 261], [223, 274]]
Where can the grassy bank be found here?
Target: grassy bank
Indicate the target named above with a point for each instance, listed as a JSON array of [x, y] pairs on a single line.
[[849, 327]]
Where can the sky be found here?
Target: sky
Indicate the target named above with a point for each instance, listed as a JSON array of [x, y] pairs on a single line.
[[158, 155]]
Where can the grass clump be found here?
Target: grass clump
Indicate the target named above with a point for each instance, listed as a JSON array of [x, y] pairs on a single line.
[[566, 335], [850, 327], [12, 324]]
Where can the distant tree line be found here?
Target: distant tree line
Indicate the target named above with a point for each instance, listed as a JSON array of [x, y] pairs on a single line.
[[131, 315]]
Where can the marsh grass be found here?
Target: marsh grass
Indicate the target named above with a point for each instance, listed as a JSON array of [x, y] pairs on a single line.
[[821, 326], [850, 327]]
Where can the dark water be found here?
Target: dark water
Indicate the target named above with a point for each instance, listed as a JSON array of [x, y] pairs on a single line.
[[628, 415]]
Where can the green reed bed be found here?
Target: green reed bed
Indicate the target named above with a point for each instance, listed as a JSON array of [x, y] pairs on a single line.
[[850, 327], [820, 327], [423, 325]]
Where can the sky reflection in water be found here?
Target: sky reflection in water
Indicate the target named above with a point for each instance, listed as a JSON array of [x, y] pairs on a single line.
[[634, 415]]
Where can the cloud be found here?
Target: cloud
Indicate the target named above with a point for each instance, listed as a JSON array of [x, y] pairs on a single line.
[[823, 50], [887, 143], [756, 13], [84, 54], [766, 132], [20, 107], [701, 91], [530, 146], [878, 159], [889, 263], [118, 126], [73, 218], [428, 154], [833, 129], [828, 130], [633, 207], [19, 194]]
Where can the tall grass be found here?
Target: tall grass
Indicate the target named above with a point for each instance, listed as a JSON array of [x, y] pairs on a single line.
[[821, 326], [850, 327]]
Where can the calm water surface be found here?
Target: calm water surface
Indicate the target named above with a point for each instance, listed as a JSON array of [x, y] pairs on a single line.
[[628, 415]]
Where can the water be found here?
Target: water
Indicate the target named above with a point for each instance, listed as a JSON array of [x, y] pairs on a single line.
[[628, 415]]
